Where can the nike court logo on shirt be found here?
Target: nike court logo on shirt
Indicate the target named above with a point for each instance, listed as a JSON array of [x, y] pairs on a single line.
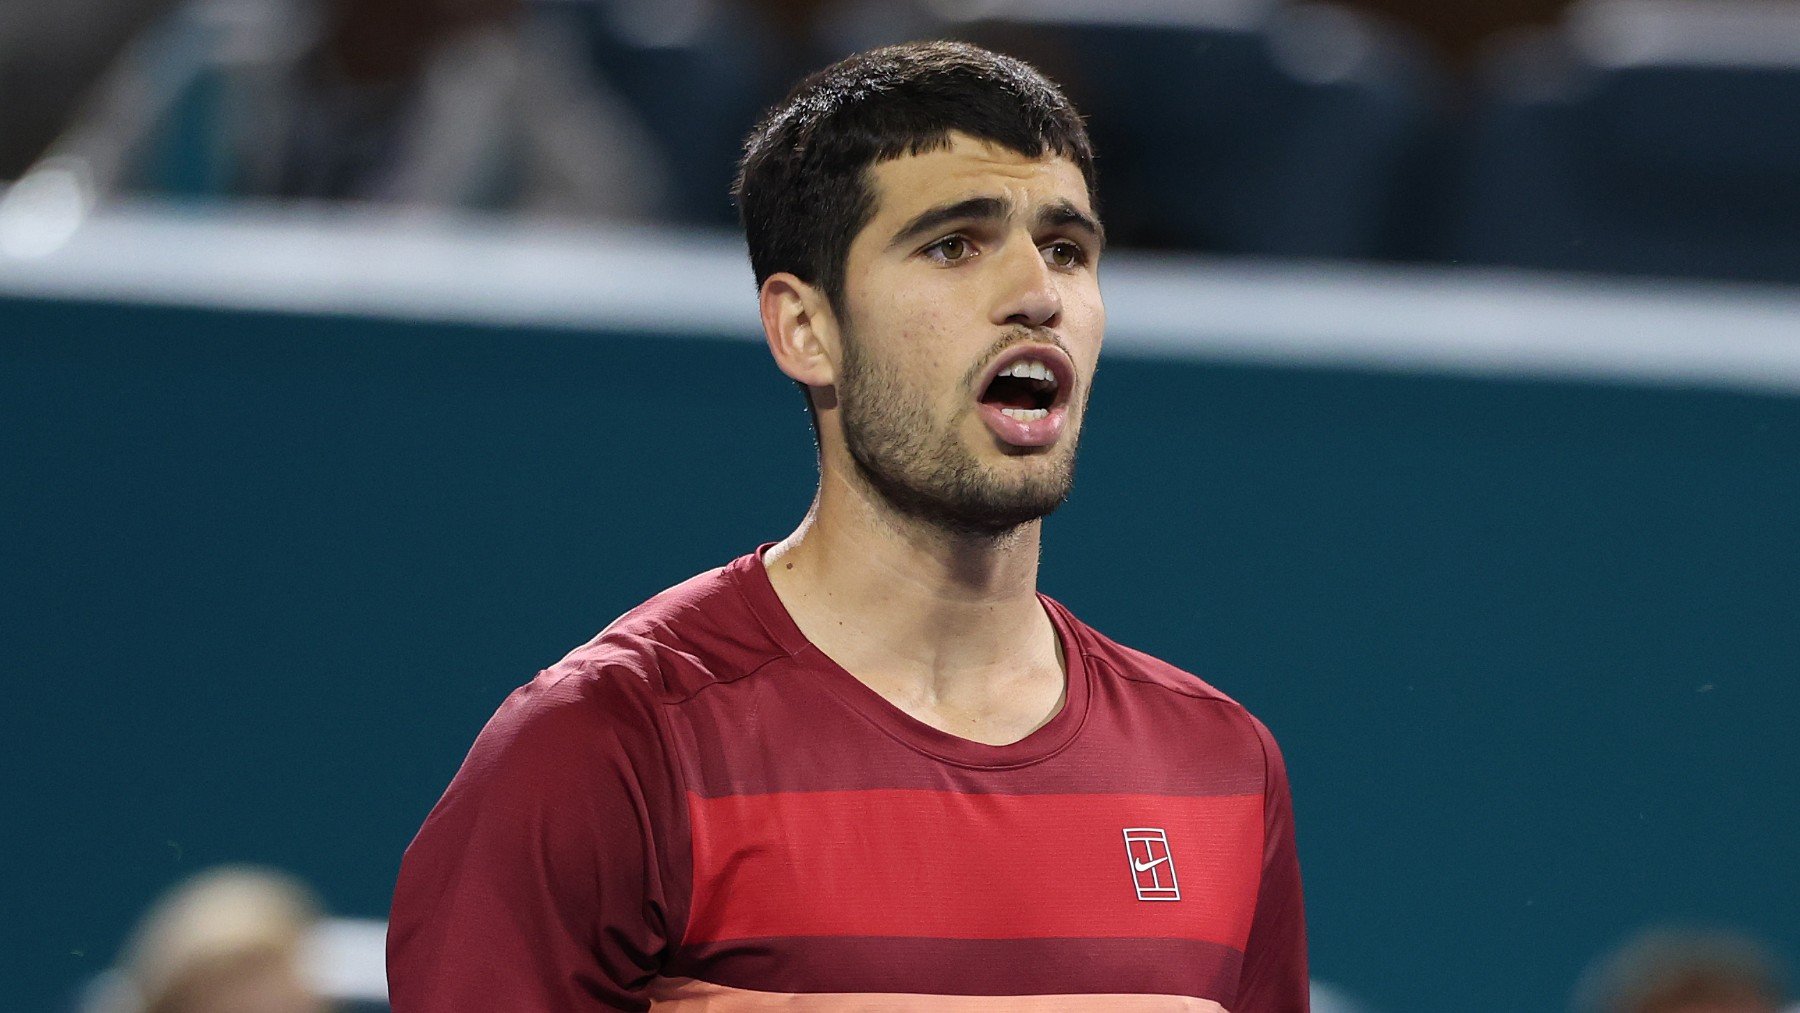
[[1153, 874]]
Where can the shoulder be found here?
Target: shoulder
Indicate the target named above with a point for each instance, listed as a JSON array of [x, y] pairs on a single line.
[[1176, 690], [1120, 661], [606, 695], [697, 633]]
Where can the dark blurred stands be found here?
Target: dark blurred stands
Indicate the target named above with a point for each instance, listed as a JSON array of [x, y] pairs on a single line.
[[1248, 126], [1457, 33], [1645, 136], [1633, 136], [447, 103], [51, 52], [700, 73]]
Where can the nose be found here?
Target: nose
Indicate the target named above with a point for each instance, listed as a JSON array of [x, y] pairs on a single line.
[[1028, 293]]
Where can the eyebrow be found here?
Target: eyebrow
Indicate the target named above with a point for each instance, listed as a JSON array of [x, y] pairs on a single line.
[[1063, 214], [934, 219], [1059, 214]]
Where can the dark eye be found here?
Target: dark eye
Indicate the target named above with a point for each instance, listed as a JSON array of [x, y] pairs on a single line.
[[950, 250], [1063, 253]]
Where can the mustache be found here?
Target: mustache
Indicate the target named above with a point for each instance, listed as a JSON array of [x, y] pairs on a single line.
[[1019, 334]]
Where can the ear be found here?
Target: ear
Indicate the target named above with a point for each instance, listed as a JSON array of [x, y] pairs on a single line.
[[801, 329]]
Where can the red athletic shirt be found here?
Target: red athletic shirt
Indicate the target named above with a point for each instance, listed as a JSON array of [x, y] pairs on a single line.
[[700, 810]]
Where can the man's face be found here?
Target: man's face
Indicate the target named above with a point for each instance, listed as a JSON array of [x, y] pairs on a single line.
[[972, 325]]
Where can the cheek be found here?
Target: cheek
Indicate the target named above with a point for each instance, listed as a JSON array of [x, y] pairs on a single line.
[[1084, 325], [918, 345], [1080, 296], [906, 358], [929, 367]]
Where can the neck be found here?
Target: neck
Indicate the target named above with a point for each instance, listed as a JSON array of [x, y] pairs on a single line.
[[946, 625]]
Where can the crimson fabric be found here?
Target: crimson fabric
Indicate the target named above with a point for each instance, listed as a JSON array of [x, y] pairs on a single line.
[[700, 795]]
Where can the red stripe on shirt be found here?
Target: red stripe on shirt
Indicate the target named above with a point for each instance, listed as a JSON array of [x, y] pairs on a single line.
[[968, 866]]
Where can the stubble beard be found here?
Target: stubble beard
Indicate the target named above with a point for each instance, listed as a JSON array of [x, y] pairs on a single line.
[[925, 472]]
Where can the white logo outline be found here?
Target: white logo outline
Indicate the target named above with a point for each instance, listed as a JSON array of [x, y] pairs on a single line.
[[1151, 838]]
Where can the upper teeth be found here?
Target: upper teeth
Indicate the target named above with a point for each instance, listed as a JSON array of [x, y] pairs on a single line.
[[1029, 369]]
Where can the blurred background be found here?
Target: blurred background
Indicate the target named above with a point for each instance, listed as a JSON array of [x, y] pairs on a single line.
[[359, 357]]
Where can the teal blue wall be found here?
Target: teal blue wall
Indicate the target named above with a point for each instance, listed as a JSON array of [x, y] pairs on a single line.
[[1532, 648]]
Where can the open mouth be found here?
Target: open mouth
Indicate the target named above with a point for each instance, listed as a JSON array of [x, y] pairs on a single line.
[[1029, 384], [1024, 400]]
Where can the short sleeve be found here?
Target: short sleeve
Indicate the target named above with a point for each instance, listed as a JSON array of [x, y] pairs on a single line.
[[539, 880], [1274, 977]]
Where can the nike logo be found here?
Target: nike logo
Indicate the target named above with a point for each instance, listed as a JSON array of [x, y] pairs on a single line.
[[1148, 841]]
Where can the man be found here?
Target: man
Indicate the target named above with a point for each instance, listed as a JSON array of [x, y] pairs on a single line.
[[230, 938], [1684, 969], [869, 766]]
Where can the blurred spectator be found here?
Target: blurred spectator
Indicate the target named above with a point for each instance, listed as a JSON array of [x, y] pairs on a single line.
[[1240, 126], [231, 940], [701, 71], [1669, 970], [798, 37], [51, 53], [1458, 30], [461, 103]]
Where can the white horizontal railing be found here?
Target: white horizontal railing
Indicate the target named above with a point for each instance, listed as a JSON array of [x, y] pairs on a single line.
[[342, 959], [679, 283], [346, 959]]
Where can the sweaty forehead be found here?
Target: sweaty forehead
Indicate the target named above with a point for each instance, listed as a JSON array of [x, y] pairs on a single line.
[[967, 168]]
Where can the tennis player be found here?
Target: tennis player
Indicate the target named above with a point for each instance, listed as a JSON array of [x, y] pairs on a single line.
[[870, 766]]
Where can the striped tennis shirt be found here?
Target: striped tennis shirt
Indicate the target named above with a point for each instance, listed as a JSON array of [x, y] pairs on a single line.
[[700, 810]]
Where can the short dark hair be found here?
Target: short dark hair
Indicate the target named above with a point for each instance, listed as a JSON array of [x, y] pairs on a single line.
[[803, 190]]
